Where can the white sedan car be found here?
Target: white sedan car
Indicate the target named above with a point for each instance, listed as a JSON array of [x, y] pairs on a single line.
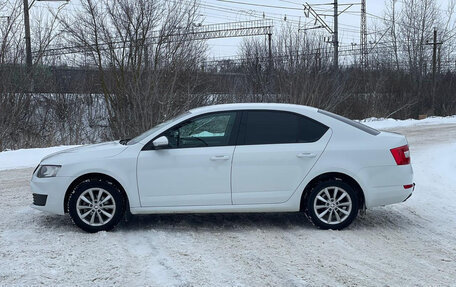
[[231, 158]]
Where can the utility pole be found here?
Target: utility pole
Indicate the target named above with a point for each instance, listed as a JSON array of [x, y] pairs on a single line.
[[28, 44], [363, 38], [308, 10], [434, 57], [434, 44], [336, 36], [394, 35], [270, 64], [270, 49], [439, 59]]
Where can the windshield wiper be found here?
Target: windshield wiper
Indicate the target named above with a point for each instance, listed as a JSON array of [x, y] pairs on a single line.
[[124, 141]]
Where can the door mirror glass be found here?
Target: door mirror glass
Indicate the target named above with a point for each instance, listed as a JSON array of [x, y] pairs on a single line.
[[161, 142]]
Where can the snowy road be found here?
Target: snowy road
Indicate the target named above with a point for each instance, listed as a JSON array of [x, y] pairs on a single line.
[[409, 244]]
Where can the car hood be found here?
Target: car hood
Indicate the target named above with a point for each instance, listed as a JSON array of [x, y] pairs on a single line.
[[93, 151]]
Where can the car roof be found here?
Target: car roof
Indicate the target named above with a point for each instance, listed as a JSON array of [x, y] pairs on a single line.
[[253, 106]]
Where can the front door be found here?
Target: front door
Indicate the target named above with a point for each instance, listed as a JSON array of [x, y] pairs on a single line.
[[195, 169]]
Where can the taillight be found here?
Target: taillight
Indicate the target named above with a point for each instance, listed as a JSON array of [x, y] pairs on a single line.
[[401, 155]]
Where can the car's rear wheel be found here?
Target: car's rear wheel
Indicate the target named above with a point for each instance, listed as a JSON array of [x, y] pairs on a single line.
[[332, 204], [96, 205]]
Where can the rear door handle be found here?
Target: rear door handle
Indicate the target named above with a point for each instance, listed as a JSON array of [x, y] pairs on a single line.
[[220, 157], [305, 155]]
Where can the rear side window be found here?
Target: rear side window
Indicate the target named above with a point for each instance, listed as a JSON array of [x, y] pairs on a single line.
[[276, 127], [357, 125]]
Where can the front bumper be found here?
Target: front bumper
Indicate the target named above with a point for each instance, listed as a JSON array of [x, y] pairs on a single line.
[[49, 193], [39, 199]]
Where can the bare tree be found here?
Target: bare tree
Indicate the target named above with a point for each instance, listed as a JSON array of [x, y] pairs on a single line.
[[392, 26], [135, 63], [144, 53], [11, 50]]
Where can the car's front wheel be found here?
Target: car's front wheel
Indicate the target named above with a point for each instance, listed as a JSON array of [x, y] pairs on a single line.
[[96, 205], [332, 204]]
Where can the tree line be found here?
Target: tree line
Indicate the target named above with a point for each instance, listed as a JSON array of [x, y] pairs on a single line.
[[145, 68]]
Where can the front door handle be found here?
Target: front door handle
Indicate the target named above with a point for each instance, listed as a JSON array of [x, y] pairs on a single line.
[[306, 155], [220, 157]]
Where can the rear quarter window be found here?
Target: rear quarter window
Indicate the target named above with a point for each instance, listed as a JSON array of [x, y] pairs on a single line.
[[352, 123]]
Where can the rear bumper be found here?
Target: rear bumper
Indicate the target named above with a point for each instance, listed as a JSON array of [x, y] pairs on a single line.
[[49, 193], [388, 195], [387, 184], [413, 189]]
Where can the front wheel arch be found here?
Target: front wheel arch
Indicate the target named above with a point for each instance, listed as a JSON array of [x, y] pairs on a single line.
[[94, 176], [332, 176]]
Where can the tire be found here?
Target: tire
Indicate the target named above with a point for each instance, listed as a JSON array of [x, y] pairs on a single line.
[[96, 205], [332, 204]]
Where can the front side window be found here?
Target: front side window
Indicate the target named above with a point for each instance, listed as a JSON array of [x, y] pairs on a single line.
[[203, 131], [154, 129], [275, 127]]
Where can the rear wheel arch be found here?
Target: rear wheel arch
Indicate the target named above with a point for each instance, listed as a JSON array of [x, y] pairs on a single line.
[[332, 176], [94, 176]]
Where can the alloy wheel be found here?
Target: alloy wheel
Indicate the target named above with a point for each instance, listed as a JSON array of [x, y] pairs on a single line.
[[332, 205], [95, 206]]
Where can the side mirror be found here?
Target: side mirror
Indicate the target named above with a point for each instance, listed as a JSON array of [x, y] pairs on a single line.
[[161, 142]]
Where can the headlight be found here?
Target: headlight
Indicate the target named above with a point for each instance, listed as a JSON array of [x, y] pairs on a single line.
[[48, 171]]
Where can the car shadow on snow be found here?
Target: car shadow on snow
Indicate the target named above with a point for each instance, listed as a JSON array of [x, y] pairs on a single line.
[[379, 218], [219, 221], [189, 222], [375, 219]]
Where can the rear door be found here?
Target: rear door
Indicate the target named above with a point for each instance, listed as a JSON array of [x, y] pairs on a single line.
[[275, 151]]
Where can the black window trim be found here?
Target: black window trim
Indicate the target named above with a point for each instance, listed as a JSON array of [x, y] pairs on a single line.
[[243, 123], [358, 125], [231, 142]]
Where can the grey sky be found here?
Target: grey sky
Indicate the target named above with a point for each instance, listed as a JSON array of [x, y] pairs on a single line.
[[221, 11], [349, 21]]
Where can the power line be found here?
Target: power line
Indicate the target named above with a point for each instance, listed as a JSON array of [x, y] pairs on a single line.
[[259, 14], [335, 31], [204, 32], [260, 5]]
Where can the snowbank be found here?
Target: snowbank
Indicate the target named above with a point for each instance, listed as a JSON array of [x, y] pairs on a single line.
[[407, 244], [382, 123], [26, 157], [31, 157]]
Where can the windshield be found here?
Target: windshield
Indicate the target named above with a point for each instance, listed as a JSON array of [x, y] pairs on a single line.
[[154, 129]]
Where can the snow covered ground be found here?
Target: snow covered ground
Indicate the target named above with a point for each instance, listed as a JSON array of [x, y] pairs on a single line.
[[408, 244], [382, 123]]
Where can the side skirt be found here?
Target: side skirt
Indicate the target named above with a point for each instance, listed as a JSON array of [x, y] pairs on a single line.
[[282, 207]]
